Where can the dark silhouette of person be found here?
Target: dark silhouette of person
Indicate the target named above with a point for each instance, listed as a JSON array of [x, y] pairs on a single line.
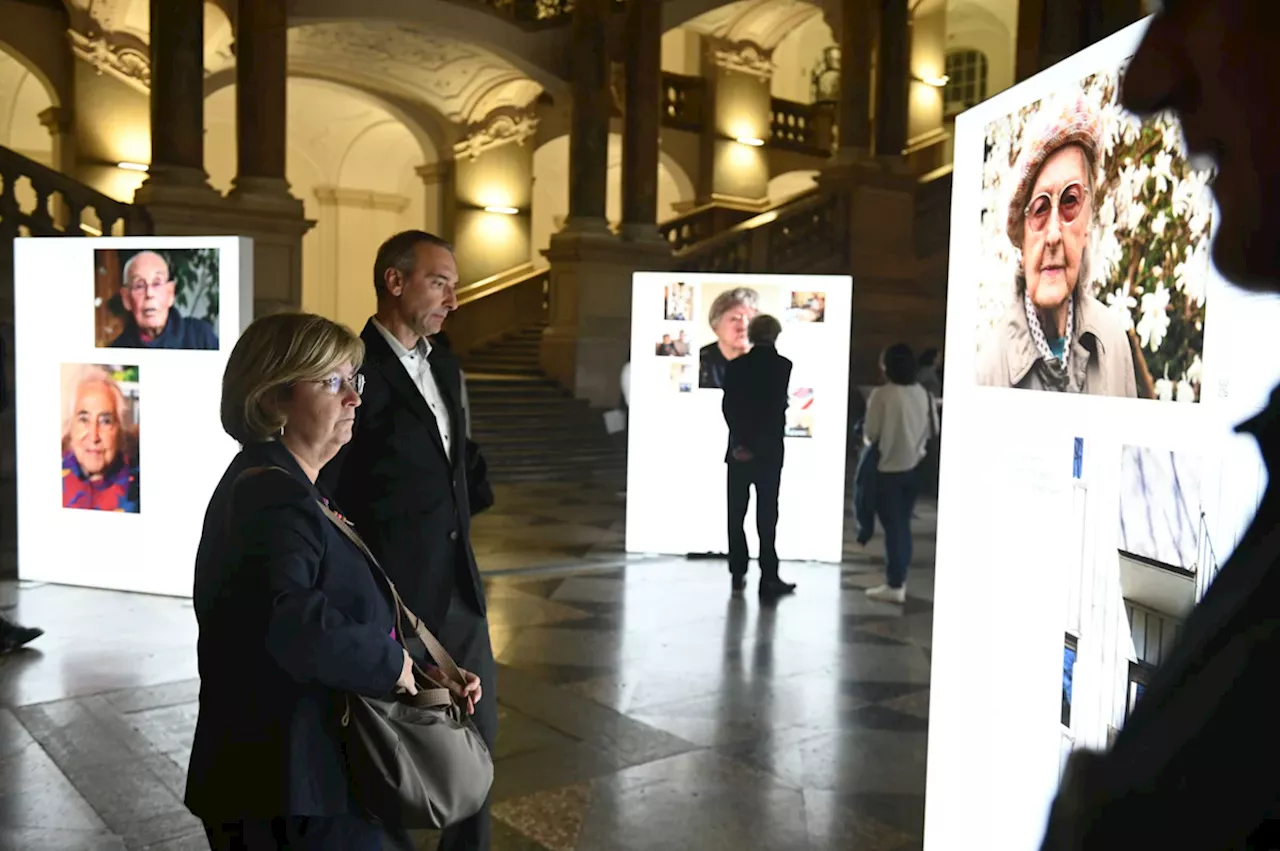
[[755, 409], [1194, 767]]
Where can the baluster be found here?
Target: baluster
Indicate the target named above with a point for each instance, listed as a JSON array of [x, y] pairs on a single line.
[[41, 221]]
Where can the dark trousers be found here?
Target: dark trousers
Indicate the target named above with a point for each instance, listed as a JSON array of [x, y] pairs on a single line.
[[766, 477], [864, 492], [465, 634], [895, 500], [296, 833]]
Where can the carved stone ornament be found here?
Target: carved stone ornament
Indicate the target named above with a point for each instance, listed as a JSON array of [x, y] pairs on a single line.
[[743, 57], [121, 55], [501, 128]]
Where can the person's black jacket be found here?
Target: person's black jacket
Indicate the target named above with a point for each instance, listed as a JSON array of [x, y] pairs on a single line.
[[756, 388], [291, 616], [711, 366], [180, 332], [1195, 765], [409, 500]]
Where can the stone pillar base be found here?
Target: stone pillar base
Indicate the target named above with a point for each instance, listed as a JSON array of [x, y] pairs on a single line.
[[262, 210], [590, 334]]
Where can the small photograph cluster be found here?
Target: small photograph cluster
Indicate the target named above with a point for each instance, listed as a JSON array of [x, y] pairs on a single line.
[[807, 307], [800, 413], [673, 345]]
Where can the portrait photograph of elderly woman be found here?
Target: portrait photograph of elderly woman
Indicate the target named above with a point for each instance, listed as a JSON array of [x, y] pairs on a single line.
[[100, 437], [162, 299], [729, 310], [1094, 251]]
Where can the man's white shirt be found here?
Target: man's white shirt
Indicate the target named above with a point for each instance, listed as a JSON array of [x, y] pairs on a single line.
[[415, 362]]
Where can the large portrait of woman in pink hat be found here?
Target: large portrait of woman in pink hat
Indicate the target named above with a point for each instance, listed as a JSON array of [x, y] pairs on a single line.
[[1095, 233]]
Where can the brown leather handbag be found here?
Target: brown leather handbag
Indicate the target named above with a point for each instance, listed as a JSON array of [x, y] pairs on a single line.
[[414, 761]]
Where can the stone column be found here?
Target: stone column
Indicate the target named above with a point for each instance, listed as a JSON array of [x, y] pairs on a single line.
[[177, 93], [261, 95], [641, 122], [589, 123], [734, 163], [439, 198], [893, 76], [857, 30]]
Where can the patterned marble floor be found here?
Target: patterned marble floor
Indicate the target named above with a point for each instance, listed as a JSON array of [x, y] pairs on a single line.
[[643, 707]]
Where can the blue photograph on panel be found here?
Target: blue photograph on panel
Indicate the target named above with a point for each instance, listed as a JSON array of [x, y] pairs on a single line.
[[1068, 671], [1077, 463]]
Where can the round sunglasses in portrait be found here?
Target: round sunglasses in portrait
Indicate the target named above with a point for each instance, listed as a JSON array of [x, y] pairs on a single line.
[[1069, 203]]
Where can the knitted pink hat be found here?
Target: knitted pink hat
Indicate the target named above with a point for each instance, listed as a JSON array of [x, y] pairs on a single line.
[[1058, 125]]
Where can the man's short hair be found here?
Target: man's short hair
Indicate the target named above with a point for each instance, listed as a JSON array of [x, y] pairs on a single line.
[[764, 329], [400, 253], [128, 266], [900, 364], [728, 300]]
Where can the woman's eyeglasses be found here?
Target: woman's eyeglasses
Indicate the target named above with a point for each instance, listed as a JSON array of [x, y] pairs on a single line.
[[334, 383], [1070, 203]]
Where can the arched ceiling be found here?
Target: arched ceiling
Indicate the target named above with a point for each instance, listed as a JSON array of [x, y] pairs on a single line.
[[764, 23], [22, 98], [462, 82]]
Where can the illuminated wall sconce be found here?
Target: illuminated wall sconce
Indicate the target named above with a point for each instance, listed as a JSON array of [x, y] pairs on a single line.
[[750, 140], [132, 166], [933, 82], [506, 211], [90, 229]]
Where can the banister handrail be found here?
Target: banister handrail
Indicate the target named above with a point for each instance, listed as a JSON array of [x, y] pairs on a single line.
[[795, 205], [499, 282], [46, 180]]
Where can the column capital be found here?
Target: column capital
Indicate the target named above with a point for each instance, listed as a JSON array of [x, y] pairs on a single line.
[[501, 127], [745, 57], [437, 173], [56, 119]]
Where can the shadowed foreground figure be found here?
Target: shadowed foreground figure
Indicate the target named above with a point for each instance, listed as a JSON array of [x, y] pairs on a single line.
[[1196, 765]]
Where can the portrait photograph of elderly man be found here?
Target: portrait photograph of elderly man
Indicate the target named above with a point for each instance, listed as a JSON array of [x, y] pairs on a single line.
[[164, 299], [100, 438], [1095, 251], [731, 311]]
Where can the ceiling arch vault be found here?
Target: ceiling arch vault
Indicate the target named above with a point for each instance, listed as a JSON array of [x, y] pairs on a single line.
[[764, 23]]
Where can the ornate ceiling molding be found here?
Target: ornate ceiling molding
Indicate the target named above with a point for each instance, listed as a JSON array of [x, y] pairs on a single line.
[[503, 127], [764, 23], [122, 55], [744, 57]]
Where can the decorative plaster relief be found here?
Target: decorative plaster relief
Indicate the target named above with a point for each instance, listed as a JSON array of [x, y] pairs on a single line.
[[744, 57], [123, 56], [761, 22], [461, 81], [499, 129]]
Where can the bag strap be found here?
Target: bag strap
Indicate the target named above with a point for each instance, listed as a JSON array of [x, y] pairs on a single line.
[[446, 693]]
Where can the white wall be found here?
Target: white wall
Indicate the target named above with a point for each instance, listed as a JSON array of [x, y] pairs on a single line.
[[352, 165], [990, 28], [681, 52], [796, 56]]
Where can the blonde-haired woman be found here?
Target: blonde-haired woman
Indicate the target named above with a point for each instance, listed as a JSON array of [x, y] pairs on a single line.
[[99, 445], [291, 613]]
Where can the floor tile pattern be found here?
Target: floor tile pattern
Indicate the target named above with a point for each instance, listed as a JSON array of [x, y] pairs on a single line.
[[642, 705]]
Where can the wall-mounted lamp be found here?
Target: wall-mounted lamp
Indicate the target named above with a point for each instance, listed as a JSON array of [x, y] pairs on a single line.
[[132, 166], [935, 82], [750, 140], [506, 211], [90, 229]]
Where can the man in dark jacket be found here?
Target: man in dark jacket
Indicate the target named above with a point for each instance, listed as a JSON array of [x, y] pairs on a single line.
[[152, 322], [1195, 766], [403, 479], [755, 409]]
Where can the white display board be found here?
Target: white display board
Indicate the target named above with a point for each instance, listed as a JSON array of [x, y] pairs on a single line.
[[1057, 577], [676, 486], [120, 444]]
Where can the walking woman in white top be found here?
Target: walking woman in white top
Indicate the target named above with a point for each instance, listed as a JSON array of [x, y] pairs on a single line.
[[901, 418]]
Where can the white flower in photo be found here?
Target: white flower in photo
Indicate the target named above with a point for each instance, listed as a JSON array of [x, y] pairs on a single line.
[[1159, 223], [1164, 390], [1137, 212], [1195, 372], [1107, 254], [1123, 305], [1154, 323], [1162, 170], [1191, 275], [1185, 391]]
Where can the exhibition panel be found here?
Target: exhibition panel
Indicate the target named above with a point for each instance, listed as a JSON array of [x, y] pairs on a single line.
[[120, 348], [1092, 482], [685, 328]]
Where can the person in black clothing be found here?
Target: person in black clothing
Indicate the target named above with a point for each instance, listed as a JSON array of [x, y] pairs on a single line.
[[14, 636], [408, 477], [292, 613], [1195, 765], [755, 409], [152, 322]]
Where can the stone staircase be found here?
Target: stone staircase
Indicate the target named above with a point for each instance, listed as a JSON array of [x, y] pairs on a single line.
[[530, 428]]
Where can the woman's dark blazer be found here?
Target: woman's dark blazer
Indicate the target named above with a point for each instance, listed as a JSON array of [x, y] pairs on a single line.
[[291, 617]]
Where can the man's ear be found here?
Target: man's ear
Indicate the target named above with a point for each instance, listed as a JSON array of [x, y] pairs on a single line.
[[392, 282], [126, 298]]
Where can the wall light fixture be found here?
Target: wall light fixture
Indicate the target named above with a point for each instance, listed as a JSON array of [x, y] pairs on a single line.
[[506, 211], [132, 166], [750, 140]]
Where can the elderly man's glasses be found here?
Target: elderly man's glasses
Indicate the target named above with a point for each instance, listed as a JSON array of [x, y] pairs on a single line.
[[1070, 203], [335, 383], [143, 287]]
